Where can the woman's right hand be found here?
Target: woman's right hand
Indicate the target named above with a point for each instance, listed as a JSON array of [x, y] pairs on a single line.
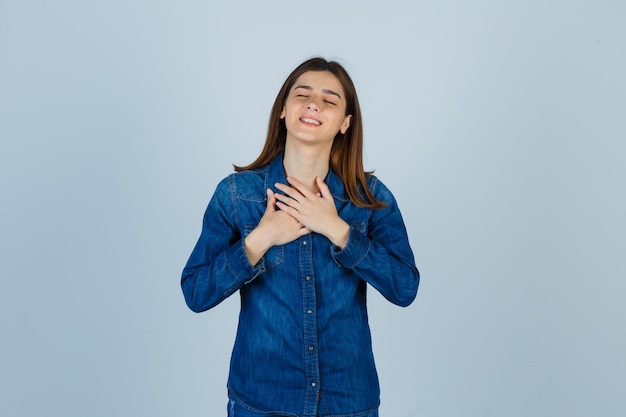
[[275, 228]]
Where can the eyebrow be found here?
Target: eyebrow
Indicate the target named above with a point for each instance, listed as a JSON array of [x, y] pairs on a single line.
[[308, 87]]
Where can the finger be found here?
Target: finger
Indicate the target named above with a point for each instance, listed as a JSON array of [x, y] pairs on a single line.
[[271, 200], [288, 191], [304, 231], [324, 190], [299, 186], [288, 210], [285, 199]]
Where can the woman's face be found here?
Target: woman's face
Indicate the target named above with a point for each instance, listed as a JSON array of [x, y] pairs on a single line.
[[315, 109]]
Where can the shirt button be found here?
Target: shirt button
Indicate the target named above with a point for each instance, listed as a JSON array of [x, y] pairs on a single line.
[[308, 278], [305, 242], [314, 384], [309, 312], [311, 348]]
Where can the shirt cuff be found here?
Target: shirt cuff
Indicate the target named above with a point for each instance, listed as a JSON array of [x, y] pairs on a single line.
[[355, 250], [239, 264]]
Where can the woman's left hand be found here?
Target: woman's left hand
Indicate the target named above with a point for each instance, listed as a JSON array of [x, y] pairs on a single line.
[[314, 211]]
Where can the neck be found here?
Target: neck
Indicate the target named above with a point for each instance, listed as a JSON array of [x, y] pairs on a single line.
[[306, 163]]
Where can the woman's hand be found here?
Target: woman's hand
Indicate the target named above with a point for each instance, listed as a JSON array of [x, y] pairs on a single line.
[[317, 212], [275, 228]]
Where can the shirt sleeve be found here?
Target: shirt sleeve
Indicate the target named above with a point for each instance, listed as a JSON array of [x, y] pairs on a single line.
[[218, 265], [381, 255]]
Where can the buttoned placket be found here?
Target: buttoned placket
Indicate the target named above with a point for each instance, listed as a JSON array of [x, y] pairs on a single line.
[[309, 309]]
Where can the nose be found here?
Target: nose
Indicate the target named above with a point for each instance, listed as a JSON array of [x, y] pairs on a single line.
[[313, 106]]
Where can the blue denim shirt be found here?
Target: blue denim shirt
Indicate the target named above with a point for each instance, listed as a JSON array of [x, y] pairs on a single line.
[[303, 345]]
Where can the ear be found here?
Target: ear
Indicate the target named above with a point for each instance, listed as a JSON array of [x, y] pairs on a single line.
[[282, 113], [347, 121]]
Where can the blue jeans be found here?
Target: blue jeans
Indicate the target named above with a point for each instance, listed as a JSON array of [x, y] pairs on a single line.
[[236, 410]]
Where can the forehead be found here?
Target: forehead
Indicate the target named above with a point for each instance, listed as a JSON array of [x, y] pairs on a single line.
[[319, 80]]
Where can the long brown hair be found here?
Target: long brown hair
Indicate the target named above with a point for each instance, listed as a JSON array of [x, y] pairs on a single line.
[[346, 155]]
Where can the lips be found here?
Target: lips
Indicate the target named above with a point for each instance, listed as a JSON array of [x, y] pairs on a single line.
[[310, 121]]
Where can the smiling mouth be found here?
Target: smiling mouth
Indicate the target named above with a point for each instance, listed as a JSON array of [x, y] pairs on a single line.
[[310, 121]]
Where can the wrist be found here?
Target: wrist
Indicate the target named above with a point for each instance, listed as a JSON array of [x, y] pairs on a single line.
[[339, 234], [255, 246]]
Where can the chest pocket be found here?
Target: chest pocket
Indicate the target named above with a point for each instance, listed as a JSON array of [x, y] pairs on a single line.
[[274, 255]]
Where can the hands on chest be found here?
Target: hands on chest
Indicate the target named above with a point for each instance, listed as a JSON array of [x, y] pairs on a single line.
[[294, 212]]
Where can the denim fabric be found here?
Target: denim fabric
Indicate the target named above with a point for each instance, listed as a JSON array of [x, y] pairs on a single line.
[[303, 345], [235, 409]]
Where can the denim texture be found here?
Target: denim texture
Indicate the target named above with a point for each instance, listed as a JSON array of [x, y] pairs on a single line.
[[303, 345], [235, 409]]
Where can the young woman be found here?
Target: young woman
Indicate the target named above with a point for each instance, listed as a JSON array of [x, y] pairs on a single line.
[[300, 232]]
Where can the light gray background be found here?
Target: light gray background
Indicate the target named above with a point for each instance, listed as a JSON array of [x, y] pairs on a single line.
[[500, 127]]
